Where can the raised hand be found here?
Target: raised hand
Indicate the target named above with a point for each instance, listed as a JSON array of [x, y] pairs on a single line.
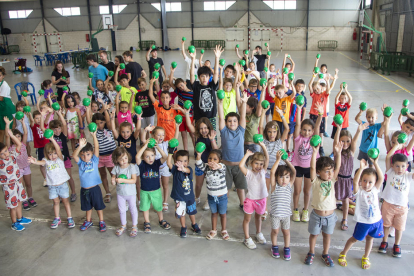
[[212, 134], [218, 51], [82, 142], [214, 166], [363, 127]]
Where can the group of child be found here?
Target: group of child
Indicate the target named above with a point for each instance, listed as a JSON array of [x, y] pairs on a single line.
[[260, 166]]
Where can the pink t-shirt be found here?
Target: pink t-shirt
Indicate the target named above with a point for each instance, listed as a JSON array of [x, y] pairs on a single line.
[[172, 94], [22, 158], [303, 152], [122, 117], [256, 185]]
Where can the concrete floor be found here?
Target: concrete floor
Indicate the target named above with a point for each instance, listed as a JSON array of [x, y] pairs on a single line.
[[42, 251]]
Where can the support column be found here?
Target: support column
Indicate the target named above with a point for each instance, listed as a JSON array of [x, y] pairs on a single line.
[[370, 45], [89, 18], [307, 26], [44, 26], [248, 21], [164, 29], [113, 23], [192, 20], [139, 24], [362, 45]]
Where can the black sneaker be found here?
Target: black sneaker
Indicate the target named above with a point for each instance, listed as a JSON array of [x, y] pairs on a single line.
[[183, 233], [196, 228], [26, 206], [383, 247], [321, 152], [397, 251]]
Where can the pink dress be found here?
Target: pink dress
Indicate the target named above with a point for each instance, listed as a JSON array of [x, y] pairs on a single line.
[[343, 186]]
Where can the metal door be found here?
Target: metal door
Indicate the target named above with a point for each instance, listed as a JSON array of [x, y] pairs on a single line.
[[40, 44], [53, 43]]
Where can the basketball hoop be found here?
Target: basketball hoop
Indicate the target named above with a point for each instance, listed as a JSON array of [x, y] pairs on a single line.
[[113, 27]]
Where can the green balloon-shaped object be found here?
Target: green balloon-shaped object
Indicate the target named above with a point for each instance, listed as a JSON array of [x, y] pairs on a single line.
[[405, 111], [138, 109], [191, 49], [173, 64], [266, 44], [315, 140], [285, 70], [263, 81], [173, 143], [26, 108], [19, 115], [122, 65], [388, 111], [237, 45], [300, 100], [24, 93], [48, 133], [242, 62], [56, 93], [157, 66], [316, 70], [154, 47], [178, 119], [184, 39], [156, 74], [202, 51], [56, 106], [118, 88], [373, 153], [318, 56], [291, 76], [246, 52], [187, 104], [288, 56], [152, 142], [269, 53], [321, 76], [63, 78], [402, 138], [200, 147], [90, 75], [65, 88], [41, 92], [123, 176], [222, 62], [257, 138], [343, 84], [92, 127], [220, 94], [338, 119], [284, 155], [266, 69], [363, 106], [265, 104], [86, 102], [406, 103], [111, 73], [89, 93]]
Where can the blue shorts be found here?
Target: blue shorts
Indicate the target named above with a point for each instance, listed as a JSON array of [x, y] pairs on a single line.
[[292, 126], [61, 191], [92, 198], [198, 172], [185, 207], [40, 154], [271, 109], [375, 230], [218, 204]]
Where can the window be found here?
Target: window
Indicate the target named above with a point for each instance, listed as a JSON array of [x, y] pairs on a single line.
[[218, 5], [367, 4], [282, 4], [170, 7], [19, 14], [68, 11], [115, 9]]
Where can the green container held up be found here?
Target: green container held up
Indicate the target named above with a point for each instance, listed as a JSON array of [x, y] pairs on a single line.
[[406, 103], [242, 62], [41, 92], [288, 56], [111, 73], [269, 53], [315, 140], [122, 176], [154, 47], [316, 70], [187, 104], [220, 94], [173, 143], [246, 52], [48, 133], [191, 49], [200, 147], [405, 111], [222, 62], [321, 76], [373, 153], [291, 76], [263, 81], [300, 100], [184, 39], [173, 64], [284, 155], [266, 69], [343, 85], [156, 74], [122, 65], [338, 119], [56, 93], [402, 138], [152, 143], [178, 119], [19, 115], [257, 138], [285, 70], [86, 101], [363, 106], [26, 109], [318, 56], [65, 88], [265, 104], [266, 44], [388, 111], [202, 51], [56, 106], [24, 93], [138, 109], [118, 88], [237, 45], [89, 93], [92, 127], [90, 75], [157, 66], [63, 78]]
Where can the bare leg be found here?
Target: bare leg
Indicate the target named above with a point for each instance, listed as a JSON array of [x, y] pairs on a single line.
[[286, 237], [273, 236], [100, 215], [182, 221], [164, 182], [56, 207], [29, 149], [223, 219], [246, 222], [306, 193], [326, 243], [43, 171], [386, 232], [368, 245], [192, 219], [297, 191], [72, 142], [89, 215], [104, 178], [184, 137], [13, 214], [289, 139], [258, 221], [214, 221], [240, 193], [312, 243], [67, 207], [398, 236], [28, 183], [349, 243], [160, 215], [71, 182], [199, 185], [345, 208], [146, 216]]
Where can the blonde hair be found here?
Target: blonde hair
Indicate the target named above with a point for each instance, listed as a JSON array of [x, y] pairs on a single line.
[[315, 83], [49, 148], [259, 156], [372, 111]]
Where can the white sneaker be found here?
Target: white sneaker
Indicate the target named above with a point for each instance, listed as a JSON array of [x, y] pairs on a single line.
[[206, 206], [198, 201], [249, 243], [260, 238], [392, 232]]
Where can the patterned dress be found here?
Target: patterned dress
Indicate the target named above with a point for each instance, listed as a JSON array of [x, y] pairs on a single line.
[[343, 187], [73, 125]]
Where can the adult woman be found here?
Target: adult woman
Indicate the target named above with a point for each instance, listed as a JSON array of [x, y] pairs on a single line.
[[57, 80], [7, 108], [118, 61]]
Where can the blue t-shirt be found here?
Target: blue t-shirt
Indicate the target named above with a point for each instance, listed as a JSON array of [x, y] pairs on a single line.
[[99, 73], [232, 144], [150, 175], [182, 189], [89, 172], [294, 107], [369, 137]]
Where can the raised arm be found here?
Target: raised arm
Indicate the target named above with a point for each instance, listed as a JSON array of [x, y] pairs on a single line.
[[357, 119], [82, 144], [237, 53], [192, 70], [138, 127], [222, 122], [363, 165], [354, 143], [259, 107], [266, 154], [319, 107], [243, 111], [151, 90], [333, 83], [348, 94], [217, 53], [31, 119], [7, 123], [386, 125], [183, 49], [171, 78], [273, 170], [337, 152], [313, 163], [57, 148], [311, 82], [242, 164], [380, 174], [95, 144], [164, 156], [338, 95], [262, 120], [188, 122], [148, 53], [25, 131], [113, 127], [285, 133], [63, 121], [298, 121]]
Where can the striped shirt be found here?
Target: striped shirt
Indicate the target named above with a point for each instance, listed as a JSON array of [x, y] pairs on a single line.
[[215, 179], [280, 201], [184, 96], [272, 149], [106, 141]]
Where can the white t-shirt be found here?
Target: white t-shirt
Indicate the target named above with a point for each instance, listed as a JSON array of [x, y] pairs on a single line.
[[256, 185], [251, 76], [196, 65], [410, 136], [272, 75], [164, 147], [367, 208], [397, 188], [56, 173], [5, 89]]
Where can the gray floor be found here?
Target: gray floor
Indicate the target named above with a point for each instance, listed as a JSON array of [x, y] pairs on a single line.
[[42, 251]]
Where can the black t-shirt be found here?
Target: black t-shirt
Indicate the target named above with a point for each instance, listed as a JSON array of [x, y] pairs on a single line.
[[110, 66], [135, 70], [142, 98], [151, 64], [58, 75], [206, 153], [204, 100], [62, 141], [246, 63], [130, 145], [260, 63]]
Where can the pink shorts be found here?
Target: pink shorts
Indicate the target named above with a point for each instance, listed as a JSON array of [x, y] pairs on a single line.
[[68, 164], [258, 206], [14, 193], [105, 161], [25, 171]]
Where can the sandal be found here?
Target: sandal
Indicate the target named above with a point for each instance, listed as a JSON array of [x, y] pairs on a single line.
[[225, 235], [165, 207], [164, 224], [342, 260], [211, 235], [264, 216], [147, 227], [108, 198], [327, 260], [120, 231], [134, 232], [309, 258], [365, 263], [344, 225]]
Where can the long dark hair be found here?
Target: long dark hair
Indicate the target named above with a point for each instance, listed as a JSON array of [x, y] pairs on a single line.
[[121, 59], [64, 73]]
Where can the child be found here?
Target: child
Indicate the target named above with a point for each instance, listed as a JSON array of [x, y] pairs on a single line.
[[46, 85], [216, 189], [73, 119], [270, 88], [91, 195], [343, 102], [231, 99], [283, 102], [182, 191], [149, 170], [370, 135], [19, 126], [125, 189], [282, 178], [126, 91], [44, 106], [10, 179], [197, 64], [39, 140], [100, 91], [257, 193], [165, 87], [142, 99], [369, 224], [252, 90], [253, 114], [395, 194], [343, 186], [291, 66], [301, 160], [57, 181], [323, 172], [123, 110]]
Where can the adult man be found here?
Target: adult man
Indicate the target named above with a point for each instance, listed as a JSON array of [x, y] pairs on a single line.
[[133, 69], [154, 59], [103, 55], [260, 60], [99, 71]]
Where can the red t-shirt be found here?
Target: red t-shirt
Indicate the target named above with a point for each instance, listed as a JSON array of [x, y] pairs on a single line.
[[39, 140], [321, 99], [268, 97], [344, 111]]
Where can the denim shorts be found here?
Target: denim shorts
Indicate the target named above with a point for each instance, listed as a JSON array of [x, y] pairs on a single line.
[[218, 204], [61, 191], [198, 172]]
